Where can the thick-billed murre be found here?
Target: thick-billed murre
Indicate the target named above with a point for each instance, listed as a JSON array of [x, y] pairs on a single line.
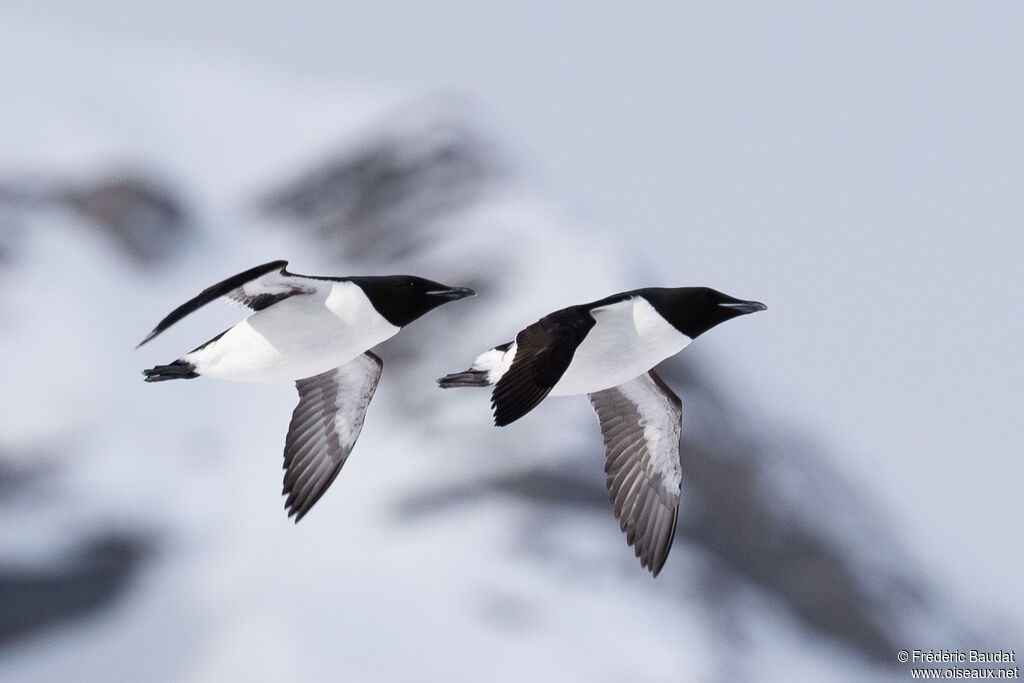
[[607, 349], [318, 332]]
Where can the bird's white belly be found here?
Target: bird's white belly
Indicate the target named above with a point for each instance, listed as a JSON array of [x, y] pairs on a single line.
[[629, 339], [299, 337]]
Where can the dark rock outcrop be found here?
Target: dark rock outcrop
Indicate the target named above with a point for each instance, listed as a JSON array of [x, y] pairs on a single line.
[[145, 219], [381, 201], [38, 596]]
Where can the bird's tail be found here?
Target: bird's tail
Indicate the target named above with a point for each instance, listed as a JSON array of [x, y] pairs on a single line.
[[487, 369], [469, 378], [179, 369]]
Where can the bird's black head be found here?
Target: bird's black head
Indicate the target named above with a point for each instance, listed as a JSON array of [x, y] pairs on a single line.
[[403, 298], [695, 310]]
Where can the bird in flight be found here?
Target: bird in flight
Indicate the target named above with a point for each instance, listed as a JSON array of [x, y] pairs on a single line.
[[317, 332], [607, 349]]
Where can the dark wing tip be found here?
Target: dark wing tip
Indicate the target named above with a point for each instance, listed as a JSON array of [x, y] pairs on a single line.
[[508, 409], [516, 394], [655, 562], [305, 491], [146, 340], [302, 498], [297, 512]]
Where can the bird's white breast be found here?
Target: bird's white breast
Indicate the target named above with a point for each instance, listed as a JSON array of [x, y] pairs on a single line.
[[629, 338], [298, 337]]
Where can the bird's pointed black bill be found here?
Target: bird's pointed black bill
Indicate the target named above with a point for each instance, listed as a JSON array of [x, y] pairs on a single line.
[[744, 307], [452, 293]]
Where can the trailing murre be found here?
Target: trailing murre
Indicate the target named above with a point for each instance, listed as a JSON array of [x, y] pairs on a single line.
[[318, 332]]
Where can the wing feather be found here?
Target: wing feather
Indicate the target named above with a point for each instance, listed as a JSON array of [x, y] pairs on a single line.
[[640, 423], [544, 351], [324, 428], [256, 288]]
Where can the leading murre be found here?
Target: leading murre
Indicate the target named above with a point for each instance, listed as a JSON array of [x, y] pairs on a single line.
[[317, 331], [607, 349]]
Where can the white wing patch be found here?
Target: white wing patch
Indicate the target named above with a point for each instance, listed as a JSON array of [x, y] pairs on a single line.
[[641, 422], [269, 289], [495, 362], [324, 428]]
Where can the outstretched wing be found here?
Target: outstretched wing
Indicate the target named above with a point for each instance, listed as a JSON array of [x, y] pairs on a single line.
[[256, 288], [544, 351], [324, 428], [640, 422]]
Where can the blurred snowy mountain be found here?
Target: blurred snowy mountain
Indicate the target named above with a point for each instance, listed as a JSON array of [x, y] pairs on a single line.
[[851, 461], [146, 527]]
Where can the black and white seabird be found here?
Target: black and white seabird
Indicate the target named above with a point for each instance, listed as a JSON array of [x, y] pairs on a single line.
[[316, 331], [607, 349]]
